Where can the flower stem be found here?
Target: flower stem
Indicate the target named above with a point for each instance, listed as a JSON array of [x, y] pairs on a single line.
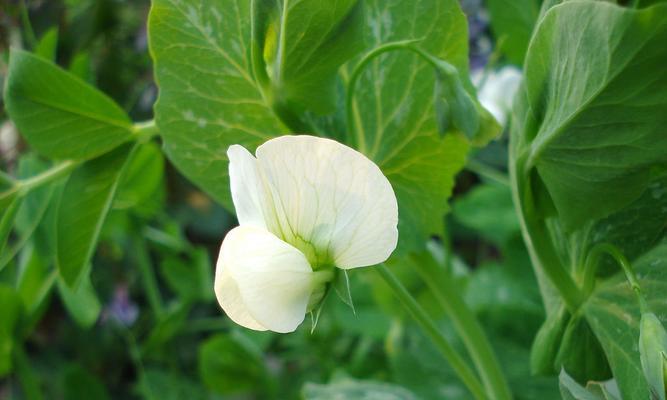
[[441, 285], [429, 328]]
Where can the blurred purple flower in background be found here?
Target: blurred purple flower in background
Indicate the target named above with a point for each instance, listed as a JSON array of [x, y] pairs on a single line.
[[479, 40], [121, 309]]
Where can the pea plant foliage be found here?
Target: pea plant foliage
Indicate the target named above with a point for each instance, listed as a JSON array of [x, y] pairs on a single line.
[[334, 131]]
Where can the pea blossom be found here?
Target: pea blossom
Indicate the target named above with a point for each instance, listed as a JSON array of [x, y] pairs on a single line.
[[306, 206]]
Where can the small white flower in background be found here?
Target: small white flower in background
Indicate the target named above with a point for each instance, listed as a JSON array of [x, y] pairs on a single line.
[[306, 205], [496, 90]]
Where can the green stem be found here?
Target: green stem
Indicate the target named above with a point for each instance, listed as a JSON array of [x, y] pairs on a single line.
[[356, 74], [444, 289], [148, 276], [50, 175], [487, 172], [146, 130], [429, 328], [592, 262], [537, 239]]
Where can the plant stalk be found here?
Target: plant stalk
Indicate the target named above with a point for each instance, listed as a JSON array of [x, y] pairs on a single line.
[[592, 261], [431, 330], [444, 289], [148, 278]]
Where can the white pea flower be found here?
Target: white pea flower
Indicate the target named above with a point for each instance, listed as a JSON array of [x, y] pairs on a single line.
[[306, 205], [496, 90]]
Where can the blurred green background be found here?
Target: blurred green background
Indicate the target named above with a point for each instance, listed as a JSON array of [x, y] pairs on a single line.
[[149, 327]]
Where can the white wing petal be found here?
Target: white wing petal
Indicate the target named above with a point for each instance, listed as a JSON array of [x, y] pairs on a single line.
[[247, 186], [331, 202], [271, 280]]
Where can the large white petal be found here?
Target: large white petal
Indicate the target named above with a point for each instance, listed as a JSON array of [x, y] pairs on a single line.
[[229, 297], [247, 187], [330, 201], [271, 280]]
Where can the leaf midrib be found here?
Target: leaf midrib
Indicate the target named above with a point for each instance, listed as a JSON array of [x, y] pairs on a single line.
[[125, 124]]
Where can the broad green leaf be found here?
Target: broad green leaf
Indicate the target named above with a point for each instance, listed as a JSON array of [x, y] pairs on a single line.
[[142, 177], [209, 98], [60, 115], [226, 366], [512, 23], [48, 45], [596, 89], [84, 204], [81, 302], [10, 305], [393, 110], [613, 314], [303, 43], [637, 228], [356, 390]]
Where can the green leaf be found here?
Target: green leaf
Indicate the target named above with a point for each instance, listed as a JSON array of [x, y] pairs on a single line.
[[142, 177], [652, 351], [33, 211], [512, 24], [34, 281], [9, 318], [636, 228], [303, 44], [489, 210], [227, 366], [596, 89], [350, 389], [394, 114], [84, 204], [613, 314], [11, 205], [81, 302], [190, 279], [60, 115], [81, 66], [48, 45], [208, 98], [571, 390], [79, 384], [170, 324], [580, 353], [158, 384], [547, 342]]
